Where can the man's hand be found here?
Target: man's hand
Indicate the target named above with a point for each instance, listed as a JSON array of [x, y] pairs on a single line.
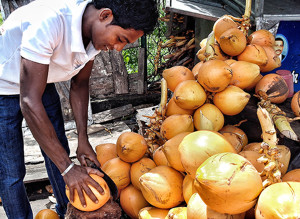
[[78, 179], [85, 150]]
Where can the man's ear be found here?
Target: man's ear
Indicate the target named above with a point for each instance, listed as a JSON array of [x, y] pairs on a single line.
[[105, 14]]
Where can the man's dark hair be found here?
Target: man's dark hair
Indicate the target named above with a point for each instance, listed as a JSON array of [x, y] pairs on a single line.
[[136, 14]]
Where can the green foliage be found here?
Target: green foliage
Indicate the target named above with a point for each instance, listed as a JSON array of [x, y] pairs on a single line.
[[131, 55], [153, 41], [1, 19]]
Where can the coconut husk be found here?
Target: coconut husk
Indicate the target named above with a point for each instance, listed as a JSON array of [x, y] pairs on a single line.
[[111, 210]]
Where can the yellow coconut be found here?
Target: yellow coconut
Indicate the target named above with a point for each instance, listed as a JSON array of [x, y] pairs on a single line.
[[138, 168], [228, 183], [188, 188], [175, 75], [214, 75], [162, 187], [221, 25], [177, 213], [170, 149], [279, 200], [232, 100], [293, 175], [236, 136], [91, 205], [252, 156], [208, 117], [132, 201], [159, 157], [254, 54], [173, 108], [196, 69], [189, 95], [274, 86], [253, 146], [230, 61], [261, 37], [119, 171], [273, 60], [197, 209], [106, 152], [196, 147], [201, 54], [131, 146], [46, 214], [233, 41], [234, 141], [244, 74], [175, 124], [284, 154], [153, 213], [295, 103], [218, 53], [253, 84]]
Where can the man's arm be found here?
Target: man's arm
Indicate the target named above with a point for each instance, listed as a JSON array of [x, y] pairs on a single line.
[[79, 99], [33, 80]]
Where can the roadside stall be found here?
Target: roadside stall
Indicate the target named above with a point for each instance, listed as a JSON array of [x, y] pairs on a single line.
[[224, 140]]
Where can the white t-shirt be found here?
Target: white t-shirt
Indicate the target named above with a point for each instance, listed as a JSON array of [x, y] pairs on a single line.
[[46, 32]]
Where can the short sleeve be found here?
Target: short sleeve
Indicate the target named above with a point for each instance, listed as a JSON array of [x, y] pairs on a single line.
[[41, 35]]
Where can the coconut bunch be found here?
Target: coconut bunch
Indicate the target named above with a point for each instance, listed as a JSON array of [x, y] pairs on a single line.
[[231, 41], [162, 186], [247, 57], [197, 174], [147, 186]]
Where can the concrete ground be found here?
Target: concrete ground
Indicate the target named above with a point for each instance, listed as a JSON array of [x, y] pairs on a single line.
[[38, 197], [36, 178], [36, 206]]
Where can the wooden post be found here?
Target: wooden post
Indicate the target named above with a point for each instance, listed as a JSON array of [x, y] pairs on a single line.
[[141, 83], [120, 74]]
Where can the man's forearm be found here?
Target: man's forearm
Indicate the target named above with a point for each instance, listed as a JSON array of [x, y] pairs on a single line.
[[79, 103], [44, 133], [33, 81], [79, 99]]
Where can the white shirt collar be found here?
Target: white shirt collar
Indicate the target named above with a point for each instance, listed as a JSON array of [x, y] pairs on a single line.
[[77, 42]]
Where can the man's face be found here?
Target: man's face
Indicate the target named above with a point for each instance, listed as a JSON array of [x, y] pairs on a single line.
[[108, 37], [114, 37]]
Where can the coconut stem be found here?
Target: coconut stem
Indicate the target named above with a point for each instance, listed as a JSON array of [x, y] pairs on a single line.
[[245, 24], [163, 98], [152, 134], [278, 116], [268, 129], [269, 148], [247, 13]]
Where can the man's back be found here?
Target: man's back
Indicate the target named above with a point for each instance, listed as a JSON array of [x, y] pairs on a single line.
[[45, 32]]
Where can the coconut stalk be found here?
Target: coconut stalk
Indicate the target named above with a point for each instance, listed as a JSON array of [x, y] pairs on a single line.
[[278, 116], [244, 22], [152, 135], [269, 149], [244, 25]]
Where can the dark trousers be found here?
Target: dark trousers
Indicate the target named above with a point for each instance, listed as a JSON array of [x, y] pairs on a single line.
[[12, 167]]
